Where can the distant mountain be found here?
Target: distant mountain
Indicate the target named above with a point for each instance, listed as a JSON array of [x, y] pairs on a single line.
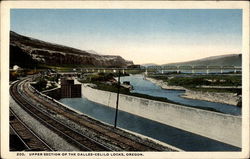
[[222, 60], [29, 52], [149, 64]]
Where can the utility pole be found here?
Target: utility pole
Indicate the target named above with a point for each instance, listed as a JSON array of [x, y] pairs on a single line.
[[117, 100]]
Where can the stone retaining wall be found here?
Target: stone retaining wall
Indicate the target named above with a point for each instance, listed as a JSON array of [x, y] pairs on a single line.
[[217, 126]]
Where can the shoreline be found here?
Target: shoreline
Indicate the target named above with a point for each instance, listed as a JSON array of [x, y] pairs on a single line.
[[164, 85], [224, 98]]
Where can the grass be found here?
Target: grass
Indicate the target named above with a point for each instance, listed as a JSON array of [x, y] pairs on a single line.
[[15, 74], [63, 68], [41, 82], [212, 80], [219, 90], [194, 81], [70, 67]]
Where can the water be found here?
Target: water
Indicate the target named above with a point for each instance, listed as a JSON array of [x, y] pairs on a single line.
[[146, 87], [170, 135]]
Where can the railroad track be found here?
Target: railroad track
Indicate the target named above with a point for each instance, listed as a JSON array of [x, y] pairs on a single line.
[[119, 140], [30, 140], [83, 142]]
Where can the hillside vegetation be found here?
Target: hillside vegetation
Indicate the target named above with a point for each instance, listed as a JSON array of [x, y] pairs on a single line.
[[29, 52]]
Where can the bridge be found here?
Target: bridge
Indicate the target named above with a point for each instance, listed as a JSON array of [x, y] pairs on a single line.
[[167, 69], [218, 127], [195, 69]]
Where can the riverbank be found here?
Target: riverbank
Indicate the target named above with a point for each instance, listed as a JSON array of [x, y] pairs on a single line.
[[164, 85], [225, 98], [192, 120]]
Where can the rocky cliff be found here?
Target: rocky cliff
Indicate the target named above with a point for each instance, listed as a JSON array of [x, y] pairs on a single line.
[[28, 52]]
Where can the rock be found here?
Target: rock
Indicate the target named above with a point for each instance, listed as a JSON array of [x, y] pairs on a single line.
[[28, 52], [226, 98]]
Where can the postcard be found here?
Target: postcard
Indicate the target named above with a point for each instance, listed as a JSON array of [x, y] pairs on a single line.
[[124, 79]]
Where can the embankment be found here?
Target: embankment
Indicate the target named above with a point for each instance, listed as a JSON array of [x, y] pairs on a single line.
[[164, 85], [225, 98], [217, 126]]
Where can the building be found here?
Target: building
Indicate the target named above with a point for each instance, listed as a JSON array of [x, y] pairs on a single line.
[[69, 89]]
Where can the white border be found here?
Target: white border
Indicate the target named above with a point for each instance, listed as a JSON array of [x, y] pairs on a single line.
[[5, 27]]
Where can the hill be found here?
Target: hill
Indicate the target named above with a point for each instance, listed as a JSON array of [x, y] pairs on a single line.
[[29, 52], [149, 64], [222, 60]]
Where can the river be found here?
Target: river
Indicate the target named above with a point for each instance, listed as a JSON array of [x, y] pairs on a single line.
[[143, 86], [170, 135]]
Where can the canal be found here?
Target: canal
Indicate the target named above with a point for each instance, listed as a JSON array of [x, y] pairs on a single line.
[[170, 135], [167, 134]]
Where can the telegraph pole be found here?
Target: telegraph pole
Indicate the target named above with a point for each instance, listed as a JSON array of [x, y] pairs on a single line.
[[117, 100]]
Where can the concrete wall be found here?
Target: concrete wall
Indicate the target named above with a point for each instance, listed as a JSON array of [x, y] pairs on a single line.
[[221, 127], [53, 93]]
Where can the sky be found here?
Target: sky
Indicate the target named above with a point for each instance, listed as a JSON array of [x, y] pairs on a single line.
[[157, 36]]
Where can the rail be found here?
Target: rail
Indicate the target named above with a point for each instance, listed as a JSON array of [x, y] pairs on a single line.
[[29, 138], [71, 135]]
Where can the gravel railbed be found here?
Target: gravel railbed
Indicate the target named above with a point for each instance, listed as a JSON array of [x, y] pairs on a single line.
[[62, 145], [71, 124], [97, 137], [51, 138], [83, 130]]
